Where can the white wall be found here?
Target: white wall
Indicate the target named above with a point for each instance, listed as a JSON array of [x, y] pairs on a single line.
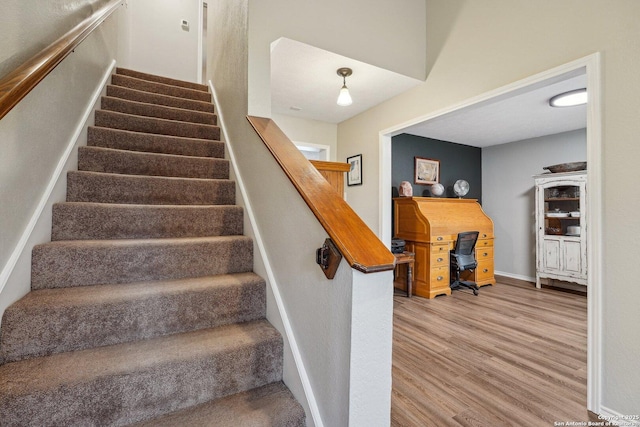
[[326, 323], [390, 35], [508, 194], [36, 144], [310, 131], [476, 47], [157, 42]]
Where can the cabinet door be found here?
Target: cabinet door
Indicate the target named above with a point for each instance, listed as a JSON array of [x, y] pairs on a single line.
[[572, 257], [551, 255]]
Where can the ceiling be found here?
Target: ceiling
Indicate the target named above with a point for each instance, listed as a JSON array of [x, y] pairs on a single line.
[[304, 84], [305, 78]]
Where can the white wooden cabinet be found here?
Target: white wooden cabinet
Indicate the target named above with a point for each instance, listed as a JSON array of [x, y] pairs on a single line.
[[561, 241]]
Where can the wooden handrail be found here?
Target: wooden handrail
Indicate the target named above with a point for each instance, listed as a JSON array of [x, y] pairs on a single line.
[[360, 247], [19, 82]]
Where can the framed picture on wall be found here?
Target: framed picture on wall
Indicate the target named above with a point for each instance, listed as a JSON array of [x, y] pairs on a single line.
[[427, 171], [354, 176]]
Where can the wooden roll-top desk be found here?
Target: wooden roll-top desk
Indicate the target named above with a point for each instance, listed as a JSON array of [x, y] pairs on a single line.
[[430, 226]]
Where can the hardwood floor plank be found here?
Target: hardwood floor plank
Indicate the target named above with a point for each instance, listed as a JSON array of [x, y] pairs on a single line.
[[514, 355]]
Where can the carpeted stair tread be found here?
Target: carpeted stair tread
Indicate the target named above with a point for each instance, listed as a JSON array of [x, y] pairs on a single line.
[[154, 190], [158, 111], [161, 88], [159, 99], [89, 221], [144, 306], [116, 120], [267, 406], [161, 79], [93, 262], [109, 160], [51, 321], [153, 143], [126, 383]]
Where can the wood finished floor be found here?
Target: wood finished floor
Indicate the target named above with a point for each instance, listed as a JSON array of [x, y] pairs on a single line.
[[512, 356]]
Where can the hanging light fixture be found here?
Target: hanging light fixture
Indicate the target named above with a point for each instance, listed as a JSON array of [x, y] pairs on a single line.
[[569, 99], [344, 98]]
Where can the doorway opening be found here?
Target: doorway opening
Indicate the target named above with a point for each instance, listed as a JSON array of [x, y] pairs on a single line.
[[590, 66]]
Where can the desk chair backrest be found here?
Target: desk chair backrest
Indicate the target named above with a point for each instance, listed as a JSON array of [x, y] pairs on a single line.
[[463, 251]]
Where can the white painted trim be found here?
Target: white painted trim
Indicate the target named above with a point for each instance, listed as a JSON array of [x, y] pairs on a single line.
[[594, 196], [297, 356], [384, 181], [199, 59], [616, 418], [594, 234], [59, 170], [515, 276], [321, 148]]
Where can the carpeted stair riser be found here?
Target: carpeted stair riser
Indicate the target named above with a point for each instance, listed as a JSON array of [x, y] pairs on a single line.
[[144, 307], [125, 383], [108, 160], [158, 111], [269, 405], [161, 88], [158, 99], [136, 141], [52, 321], [160, 79], [91, 221], [115, 120], [151, 190], [94, 262]]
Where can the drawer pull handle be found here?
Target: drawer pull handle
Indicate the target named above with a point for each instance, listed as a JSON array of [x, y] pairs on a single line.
[[485, 270], [486, 254], [440, 278], [440, 259], [439, 238], [484, 235]]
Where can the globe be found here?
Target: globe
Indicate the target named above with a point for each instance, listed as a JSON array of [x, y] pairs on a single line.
[[437, 189], [461, 188]]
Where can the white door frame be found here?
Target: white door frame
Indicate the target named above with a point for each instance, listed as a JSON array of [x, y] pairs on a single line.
[[591, 64]]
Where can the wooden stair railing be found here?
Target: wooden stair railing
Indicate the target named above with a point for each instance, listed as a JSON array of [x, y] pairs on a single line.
[[19, 82], [360, 247]]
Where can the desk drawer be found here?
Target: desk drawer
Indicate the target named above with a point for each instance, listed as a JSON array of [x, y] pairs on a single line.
[[484, 243], [482, 273], [483, 253], [442, 249], [439, 259], [439, 277]]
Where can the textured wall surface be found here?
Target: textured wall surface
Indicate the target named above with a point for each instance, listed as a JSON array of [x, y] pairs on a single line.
[[36, 133], [475, 47], [27, 26], [328, 317], [508, 193]]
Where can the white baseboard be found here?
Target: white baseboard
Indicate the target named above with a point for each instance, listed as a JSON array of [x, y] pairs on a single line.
[[618, 419], [271, 280], [515, 276], [58, 173]]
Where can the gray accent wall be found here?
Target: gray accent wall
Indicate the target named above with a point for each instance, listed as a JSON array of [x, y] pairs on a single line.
[[457, 161], [508, 194]]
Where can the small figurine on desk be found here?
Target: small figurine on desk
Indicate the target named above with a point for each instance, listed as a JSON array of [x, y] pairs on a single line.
[[405, 189]]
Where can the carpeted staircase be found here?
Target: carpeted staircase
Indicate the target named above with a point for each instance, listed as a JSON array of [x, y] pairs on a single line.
[[144, 307]]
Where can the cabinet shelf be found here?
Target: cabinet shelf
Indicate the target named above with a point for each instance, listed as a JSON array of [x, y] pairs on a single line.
[[562, 199], [561, 245], [563, 218]]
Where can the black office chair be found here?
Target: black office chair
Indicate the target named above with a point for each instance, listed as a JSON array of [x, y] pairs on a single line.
[[462, 258]]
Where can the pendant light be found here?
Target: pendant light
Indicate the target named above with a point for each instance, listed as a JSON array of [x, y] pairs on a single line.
[[344, 98]]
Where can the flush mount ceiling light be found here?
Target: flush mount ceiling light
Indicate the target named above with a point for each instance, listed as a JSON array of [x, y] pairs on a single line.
[[569, 99], [344, 98]]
